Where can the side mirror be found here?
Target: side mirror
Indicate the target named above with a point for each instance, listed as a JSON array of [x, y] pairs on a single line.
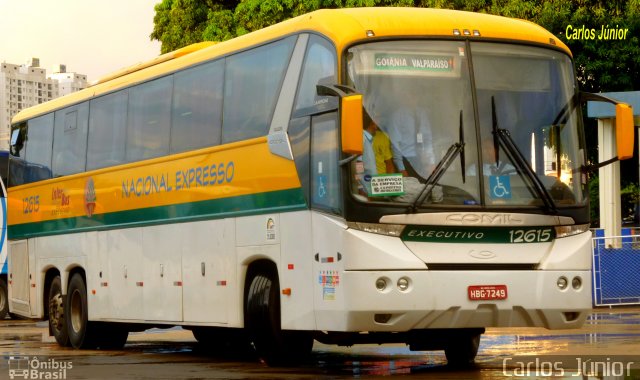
[[624, 131], [624, 124], [350, 115], [351, 124]]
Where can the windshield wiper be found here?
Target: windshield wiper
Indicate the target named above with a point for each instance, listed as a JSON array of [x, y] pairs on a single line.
[[502, 138], [441, 168]]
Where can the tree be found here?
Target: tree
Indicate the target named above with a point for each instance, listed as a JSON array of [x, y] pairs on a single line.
[[601, 65]]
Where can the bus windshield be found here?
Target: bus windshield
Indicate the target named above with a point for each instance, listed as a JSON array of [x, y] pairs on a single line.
[[479, 124]]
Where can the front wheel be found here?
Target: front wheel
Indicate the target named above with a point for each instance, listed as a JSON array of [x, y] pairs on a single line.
[[262, 319], [463, 350], [57, 322]]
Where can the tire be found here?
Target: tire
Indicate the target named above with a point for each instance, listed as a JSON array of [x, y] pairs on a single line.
[[462, 351], [262, 320], [4, 299], [57, 320], [81, 333]]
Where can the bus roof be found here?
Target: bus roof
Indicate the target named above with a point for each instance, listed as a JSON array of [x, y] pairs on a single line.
[[343, 26]]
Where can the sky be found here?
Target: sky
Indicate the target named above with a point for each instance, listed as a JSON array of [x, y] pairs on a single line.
[[92, 37]]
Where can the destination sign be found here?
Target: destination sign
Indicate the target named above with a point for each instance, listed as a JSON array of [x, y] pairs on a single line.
[[413, 62]]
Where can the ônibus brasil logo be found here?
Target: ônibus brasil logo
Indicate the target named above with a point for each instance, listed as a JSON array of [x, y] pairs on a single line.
[[25, 367]]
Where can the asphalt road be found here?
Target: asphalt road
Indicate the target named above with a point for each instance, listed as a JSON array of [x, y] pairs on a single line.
[[608, 344]]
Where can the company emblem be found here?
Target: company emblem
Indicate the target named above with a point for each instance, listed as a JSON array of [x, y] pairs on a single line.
[[89, 197]]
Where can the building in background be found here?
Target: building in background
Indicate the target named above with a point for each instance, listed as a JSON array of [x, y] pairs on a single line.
[[23, 86], [67, 82]]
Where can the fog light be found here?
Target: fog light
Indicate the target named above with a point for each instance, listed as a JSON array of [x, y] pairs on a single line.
[[576, 283], [403, 284], [562, 283], [381, 284]]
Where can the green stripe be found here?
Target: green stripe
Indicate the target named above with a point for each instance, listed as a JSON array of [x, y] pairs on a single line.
[[275, 201]]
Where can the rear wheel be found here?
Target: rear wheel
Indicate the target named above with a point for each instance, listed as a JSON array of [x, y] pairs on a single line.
[[57, 323], [262, 319], [4, 299], [81, 334], [463, 350]]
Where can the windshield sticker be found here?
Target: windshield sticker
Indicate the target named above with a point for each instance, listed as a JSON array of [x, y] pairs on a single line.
[[500, 187], [461, 234], [414, 62], [385, 185]]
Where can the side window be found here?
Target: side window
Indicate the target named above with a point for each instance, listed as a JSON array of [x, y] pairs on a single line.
[[252, 82], [107, 130], [149, 119], [325, 174], [70, 140], [39, 148], [17, 151], [197, 107], [319, 67]]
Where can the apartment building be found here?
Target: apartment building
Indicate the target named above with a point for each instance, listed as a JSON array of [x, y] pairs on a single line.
[[23, 86]]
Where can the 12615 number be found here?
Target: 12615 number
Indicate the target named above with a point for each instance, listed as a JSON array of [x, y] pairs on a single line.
[[538, 235]]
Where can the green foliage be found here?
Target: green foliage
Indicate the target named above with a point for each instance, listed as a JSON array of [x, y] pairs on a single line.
[[612, 65]]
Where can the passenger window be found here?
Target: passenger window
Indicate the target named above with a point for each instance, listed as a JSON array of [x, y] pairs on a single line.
[[107, 131], [252, 83], [70, 140], [39, 146], [149, 119], [197, 107], [319, 67]]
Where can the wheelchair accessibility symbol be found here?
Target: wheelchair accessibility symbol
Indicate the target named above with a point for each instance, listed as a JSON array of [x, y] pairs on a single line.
[[500, 187]]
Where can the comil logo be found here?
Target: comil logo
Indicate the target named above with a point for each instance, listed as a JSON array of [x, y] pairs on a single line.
[[25, 367]]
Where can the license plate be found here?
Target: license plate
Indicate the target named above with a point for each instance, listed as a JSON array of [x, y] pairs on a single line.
[[487, 292]]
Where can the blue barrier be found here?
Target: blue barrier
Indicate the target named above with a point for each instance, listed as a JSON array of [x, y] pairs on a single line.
[[616, 268]]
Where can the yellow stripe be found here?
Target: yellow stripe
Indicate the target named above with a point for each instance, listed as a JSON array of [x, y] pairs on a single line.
[[231, 170]]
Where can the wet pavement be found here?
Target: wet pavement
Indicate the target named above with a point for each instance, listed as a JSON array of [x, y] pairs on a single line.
[[608, 344]]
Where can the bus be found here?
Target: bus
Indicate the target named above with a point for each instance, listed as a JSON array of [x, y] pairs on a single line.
[[4, 288], [228, 188]]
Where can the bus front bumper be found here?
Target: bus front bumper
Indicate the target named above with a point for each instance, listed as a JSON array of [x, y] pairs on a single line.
[[442, 299]]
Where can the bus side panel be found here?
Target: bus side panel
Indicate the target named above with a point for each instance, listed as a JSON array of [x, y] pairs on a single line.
[[329, 297], [125, 281], [162, 272], [19, 285], [296, 271], [63, 253], [208, 271]]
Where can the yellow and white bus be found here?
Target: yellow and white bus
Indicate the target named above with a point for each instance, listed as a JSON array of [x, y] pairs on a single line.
[[228, 188]]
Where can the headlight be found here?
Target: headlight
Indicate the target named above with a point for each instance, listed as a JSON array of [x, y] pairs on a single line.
[[566, 231], [376, 228]]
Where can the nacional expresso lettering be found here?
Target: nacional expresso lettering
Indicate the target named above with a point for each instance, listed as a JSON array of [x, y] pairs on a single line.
[[194, 177]]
